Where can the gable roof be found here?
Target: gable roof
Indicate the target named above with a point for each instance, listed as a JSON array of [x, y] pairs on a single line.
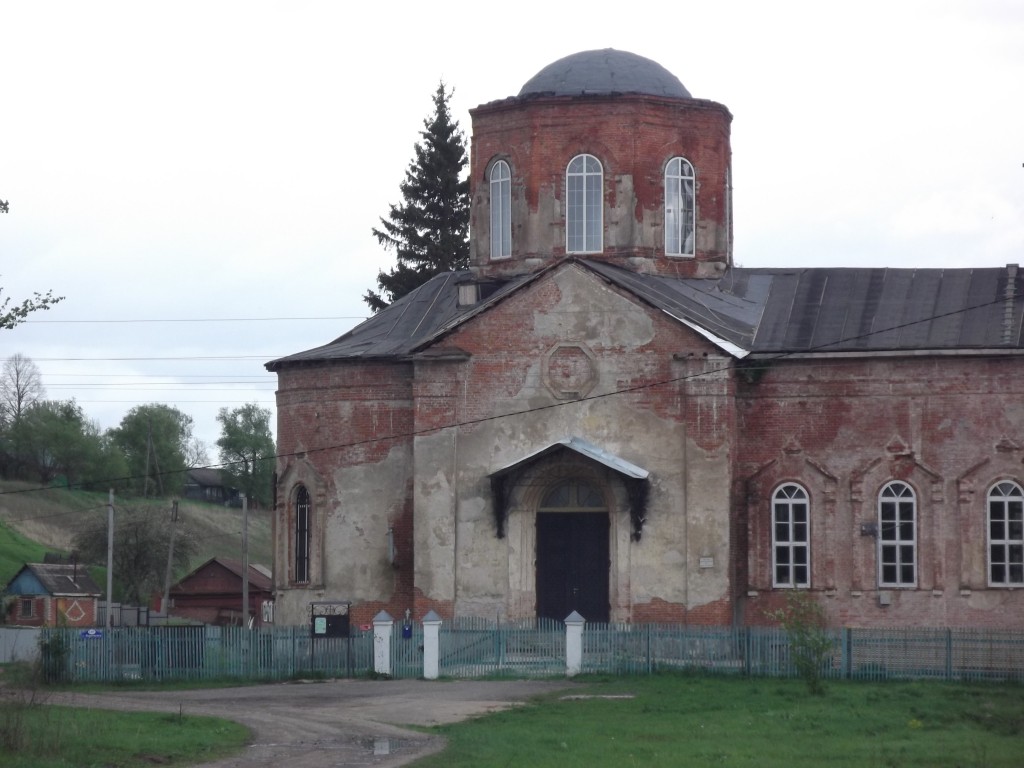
[[259, 575], [206, 477], [583, 448], [760, 311], [56, 579]]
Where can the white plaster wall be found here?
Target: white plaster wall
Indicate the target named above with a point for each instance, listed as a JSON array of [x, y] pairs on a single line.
[[458, 555]]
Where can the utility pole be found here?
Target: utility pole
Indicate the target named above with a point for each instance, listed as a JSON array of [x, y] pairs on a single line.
[[149, 452], [245, 559], [110, 559], [170, 559]]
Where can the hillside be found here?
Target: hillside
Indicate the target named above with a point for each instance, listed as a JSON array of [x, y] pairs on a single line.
[[34, 521]]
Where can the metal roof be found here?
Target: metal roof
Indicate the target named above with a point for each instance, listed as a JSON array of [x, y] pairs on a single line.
[[400, 328], [61, 579], [583, 448], [878, 310], [604, 72], [759, 311]]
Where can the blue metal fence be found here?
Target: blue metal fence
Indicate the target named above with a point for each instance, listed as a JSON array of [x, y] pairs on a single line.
[[476, 648]]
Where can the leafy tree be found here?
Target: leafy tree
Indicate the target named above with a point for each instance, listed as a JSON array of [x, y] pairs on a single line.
[[247, 449], [11, 316], [155, 440], [55, 439], [21, 385], [429, 230], [141, 541]]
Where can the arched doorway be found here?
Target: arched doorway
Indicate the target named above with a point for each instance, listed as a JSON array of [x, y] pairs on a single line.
[[572, 553]]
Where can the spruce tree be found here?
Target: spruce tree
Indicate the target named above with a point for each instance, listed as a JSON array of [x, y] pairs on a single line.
[[429, 229]]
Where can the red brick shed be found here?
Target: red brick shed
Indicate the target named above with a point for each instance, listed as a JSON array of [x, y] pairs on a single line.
[[212, 593]]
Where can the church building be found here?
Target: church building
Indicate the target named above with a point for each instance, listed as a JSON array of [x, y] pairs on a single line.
[[604, 414]]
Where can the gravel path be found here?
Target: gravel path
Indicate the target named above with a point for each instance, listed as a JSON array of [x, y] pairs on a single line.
[[334, 723]]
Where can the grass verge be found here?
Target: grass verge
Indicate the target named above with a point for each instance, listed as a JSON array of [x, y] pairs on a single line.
[[34, 735], [670, 720]]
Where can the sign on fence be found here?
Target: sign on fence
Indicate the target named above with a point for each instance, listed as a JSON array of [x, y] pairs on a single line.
[[329, 619]]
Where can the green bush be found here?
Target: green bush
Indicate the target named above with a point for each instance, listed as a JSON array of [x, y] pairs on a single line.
[[810, 643]]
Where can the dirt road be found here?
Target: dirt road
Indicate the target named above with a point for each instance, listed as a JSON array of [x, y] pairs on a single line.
[[335, 723]]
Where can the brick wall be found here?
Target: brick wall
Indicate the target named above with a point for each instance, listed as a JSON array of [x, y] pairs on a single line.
[[947, 426], [634, 137]]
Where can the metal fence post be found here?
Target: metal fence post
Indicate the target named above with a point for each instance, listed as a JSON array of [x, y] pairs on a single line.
[[847, 652], [383, 624]]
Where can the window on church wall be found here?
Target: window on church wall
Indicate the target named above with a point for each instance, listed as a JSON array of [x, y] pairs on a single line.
[[897, 536], [501, 210], [680, 208], [791, 537], [573, 495], [303, 534], [1006, 535], [584, 184]]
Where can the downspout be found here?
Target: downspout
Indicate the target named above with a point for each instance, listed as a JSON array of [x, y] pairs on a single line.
[[686, 499], [1010, 296], [455, 526]]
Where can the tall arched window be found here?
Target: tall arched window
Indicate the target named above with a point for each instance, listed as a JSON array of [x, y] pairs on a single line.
[[584, 183], [501, 210], [303, 534], [1006, 535], [680, 211], [897, 536], [791, 537]]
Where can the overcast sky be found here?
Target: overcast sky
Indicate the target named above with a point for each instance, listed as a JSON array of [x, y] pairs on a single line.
[[199, 179]]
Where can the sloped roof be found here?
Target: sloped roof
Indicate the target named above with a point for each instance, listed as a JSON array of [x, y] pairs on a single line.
[[760, 311], [398, 329], [206, 476], [903, 310], [583, 448], [259, 575], [61, 579]]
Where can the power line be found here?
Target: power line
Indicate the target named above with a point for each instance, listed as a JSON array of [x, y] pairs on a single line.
[[760, 363]]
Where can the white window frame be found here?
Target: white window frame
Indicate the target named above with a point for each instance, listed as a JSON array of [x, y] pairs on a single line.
[[897, 541], [791, 537], [1005, 533], [303, 530], [501, 210], [584, 205], [680, 208]]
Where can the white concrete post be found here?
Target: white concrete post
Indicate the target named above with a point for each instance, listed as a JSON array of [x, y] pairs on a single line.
[[431, 646], [574, 643], [382, 626]]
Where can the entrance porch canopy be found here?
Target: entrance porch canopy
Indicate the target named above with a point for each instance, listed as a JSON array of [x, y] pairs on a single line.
[[636, 479]]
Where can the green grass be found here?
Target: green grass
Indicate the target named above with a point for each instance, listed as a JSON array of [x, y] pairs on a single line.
[[36, 520], [15, 551], [40, 736], [706, 721]]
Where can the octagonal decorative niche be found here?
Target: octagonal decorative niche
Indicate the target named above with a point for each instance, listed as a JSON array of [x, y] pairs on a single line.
[[570, 370]]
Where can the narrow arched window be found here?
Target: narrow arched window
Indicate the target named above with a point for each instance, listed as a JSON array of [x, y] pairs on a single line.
[[897, 536], [680, 211], [501, 210], [303, 534], [791, 537], [584, 182], [1006, 535]]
